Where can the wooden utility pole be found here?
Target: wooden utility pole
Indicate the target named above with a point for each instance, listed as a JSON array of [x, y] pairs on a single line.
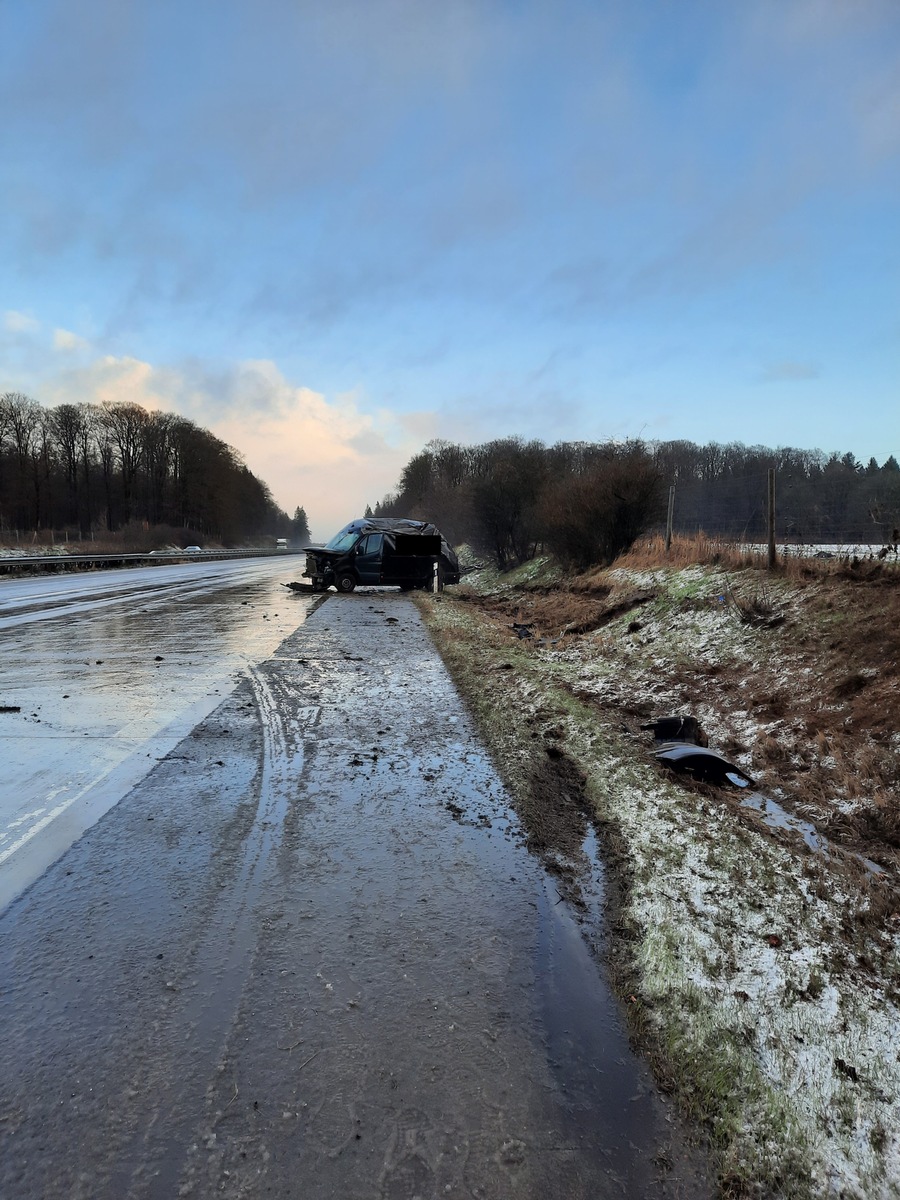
[[670, 518], [771, 518]]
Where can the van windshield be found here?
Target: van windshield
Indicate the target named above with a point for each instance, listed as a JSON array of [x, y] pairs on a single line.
[[343, 540]]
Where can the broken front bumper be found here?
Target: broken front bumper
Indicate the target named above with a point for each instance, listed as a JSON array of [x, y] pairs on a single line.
[[320, 572]]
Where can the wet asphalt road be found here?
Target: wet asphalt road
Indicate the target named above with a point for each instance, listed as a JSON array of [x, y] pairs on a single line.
[[110, 670], [306, 955]]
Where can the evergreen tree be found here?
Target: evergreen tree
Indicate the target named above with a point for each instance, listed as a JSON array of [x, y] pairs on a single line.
[[300, 527]]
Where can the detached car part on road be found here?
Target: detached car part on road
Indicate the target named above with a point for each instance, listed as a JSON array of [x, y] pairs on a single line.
[[390, 551]]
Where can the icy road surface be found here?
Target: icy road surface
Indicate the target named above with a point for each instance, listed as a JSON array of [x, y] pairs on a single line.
[[110, 670], [306, 953]]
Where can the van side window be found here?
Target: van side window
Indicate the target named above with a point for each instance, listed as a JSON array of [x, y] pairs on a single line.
[[371, 544]]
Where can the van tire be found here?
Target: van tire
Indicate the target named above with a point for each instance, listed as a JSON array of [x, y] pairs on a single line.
[[345, 583]]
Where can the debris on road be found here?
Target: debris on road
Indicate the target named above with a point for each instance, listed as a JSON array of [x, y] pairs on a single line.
[[10, 708]]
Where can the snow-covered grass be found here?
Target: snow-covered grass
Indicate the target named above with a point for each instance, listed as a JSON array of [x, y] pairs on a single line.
[[788, 1051], [32, 551], [762, 987]]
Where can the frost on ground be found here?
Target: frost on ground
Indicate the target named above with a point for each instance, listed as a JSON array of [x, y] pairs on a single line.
[[762, 979]]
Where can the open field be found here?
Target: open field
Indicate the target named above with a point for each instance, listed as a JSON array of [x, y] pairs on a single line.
[[761, 978]]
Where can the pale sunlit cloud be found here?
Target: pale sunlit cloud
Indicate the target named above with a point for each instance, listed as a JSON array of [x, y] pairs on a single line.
[[67, 342], [327, 455], [18, 322]]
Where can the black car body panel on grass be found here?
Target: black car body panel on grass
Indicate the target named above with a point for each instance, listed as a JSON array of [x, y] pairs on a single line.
[[390, 551]]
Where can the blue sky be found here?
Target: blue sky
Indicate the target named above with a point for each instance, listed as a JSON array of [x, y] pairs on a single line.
[[332, 231]]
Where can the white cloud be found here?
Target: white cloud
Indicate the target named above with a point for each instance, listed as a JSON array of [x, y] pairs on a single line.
[[67, 342], [17, 322]]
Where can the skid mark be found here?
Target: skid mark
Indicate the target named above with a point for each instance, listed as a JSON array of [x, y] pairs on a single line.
[[279, 759], [203, 1023]]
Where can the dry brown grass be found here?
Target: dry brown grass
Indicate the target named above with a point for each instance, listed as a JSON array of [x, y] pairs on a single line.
[[754, 607], [692, 549], [559, 612], [823, 689]]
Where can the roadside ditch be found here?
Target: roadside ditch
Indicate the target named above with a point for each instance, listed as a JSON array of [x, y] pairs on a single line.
[[759, 977]]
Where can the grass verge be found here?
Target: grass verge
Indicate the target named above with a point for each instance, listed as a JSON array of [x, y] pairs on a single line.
[[760, 981]]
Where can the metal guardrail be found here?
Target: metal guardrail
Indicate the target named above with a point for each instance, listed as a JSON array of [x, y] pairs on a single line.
[[46, 561]]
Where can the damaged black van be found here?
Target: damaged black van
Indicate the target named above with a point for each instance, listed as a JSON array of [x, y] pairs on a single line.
[[390, 551]]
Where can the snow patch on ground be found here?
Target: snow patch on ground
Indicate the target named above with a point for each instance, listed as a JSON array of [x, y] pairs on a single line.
[[32, 551], [735, 950]]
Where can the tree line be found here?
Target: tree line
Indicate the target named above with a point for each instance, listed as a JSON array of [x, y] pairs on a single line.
[[87, 467], [586, 502]]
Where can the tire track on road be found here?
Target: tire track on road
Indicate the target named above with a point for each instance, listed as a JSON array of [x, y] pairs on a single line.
[[224, 960]]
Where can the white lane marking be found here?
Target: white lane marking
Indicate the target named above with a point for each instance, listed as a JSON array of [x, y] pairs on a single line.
[[35, 829], [133, 736], [28, 816]]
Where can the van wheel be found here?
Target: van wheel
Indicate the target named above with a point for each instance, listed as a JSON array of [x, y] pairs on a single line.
[[345, 583]]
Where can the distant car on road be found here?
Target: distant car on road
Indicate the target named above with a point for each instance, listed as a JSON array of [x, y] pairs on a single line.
[[391, 551], [193, 550]]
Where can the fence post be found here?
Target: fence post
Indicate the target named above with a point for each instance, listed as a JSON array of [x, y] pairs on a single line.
[[771, 518], [670, 517]]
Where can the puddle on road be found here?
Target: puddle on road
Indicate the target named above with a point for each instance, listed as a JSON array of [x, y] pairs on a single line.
[[587, 1048]]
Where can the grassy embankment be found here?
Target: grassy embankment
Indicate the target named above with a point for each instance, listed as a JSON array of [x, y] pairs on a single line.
[[761, 979]]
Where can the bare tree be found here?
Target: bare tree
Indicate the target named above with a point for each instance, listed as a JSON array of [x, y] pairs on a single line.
[[591, 518], [125, 425]]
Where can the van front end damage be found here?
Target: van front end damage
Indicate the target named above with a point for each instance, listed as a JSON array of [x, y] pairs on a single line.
[[319, 569]]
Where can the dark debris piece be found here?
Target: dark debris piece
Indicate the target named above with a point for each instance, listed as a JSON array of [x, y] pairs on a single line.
[[678, 729], [701, 763]]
